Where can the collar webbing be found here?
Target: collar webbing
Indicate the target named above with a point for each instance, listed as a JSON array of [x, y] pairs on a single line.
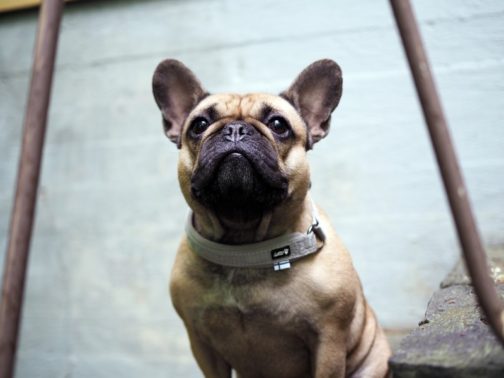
[[277, 252]]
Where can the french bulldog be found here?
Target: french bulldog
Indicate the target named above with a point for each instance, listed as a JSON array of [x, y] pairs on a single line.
[[261, 281]]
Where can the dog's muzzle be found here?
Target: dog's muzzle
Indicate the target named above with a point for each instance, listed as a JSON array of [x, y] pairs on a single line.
[[238, 172]]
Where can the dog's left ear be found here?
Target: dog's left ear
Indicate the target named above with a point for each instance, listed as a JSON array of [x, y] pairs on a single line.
[[315, 94], [176, 91]]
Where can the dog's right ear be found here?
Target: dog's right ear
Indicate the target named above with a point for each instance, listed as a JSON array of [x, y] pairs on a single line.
[[176, 91]]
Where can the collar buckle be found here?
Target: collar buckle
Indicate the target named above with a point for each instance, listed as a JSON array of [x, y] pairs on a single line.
[[319, 232]]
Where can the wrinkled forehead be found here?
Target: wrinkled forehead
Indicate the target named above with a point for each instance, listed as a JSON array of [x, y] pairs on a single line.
[[238, 106]]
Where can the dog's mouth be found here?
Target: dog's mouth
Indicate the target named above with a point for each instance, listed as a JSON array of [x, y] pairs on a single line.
[[238, 181]]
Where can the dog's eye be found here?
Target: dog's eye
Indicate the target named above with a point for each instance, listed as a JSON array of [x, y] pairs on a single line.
[[279, 126], [198, 126]]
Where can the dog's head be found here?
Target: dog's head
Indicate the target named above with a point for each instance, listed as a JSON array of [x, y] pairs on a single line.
[[244, 155]]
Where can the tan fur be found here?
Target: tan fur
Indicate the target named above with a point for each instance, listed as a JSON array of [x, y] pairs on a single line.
[[309, 321]]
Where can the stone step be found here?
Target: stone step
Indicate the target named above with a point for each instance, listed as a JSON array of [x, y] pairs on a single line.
[[454, 339]]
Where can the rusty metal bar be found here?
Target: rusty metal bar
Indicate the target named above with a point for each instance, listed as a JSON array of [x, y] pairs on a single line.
[[456, 191], [27, 183]]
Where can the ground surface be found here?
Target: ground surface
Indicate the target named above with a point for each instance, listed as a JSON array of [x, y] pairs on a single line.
[[454, 339]]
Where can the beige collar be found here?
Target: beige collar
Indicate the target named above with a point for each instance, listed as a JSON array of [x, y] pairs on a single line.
[[277, 253]]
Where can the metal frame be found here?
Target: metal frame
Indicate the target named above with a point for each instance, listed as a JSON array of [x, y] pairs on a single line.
[[23, 211], [31, 156], [456, 191]]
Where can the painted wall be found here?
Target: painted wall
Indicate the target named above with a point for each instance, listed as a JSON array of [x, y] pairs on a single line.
[[110, 213]]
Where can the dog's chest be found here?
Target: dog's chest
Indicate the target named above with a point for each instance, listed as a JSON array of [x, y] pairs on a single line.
[[251, 325], [244, 300], [260, 320]]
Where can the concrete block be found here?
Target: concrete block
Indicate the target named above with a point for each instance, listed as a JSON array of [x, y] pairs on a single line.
[[454, 339]]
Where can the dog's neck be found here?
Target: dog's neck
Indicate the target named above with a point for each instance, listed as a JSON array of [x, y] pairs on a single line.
[[291, 216]]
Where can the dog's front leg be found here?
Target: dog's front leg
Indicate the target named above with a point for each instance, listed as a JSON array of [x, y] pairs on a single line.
[[209, 361], [330, 357]]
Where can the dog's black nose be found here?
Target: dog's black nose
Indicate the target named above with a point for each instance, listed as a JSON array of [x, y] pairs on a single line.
[[236, 131]]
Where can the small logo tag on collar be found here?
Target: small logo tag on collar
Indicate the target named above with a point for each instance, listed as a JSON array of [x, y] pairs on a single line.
[[281, 252], [281, 265]]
